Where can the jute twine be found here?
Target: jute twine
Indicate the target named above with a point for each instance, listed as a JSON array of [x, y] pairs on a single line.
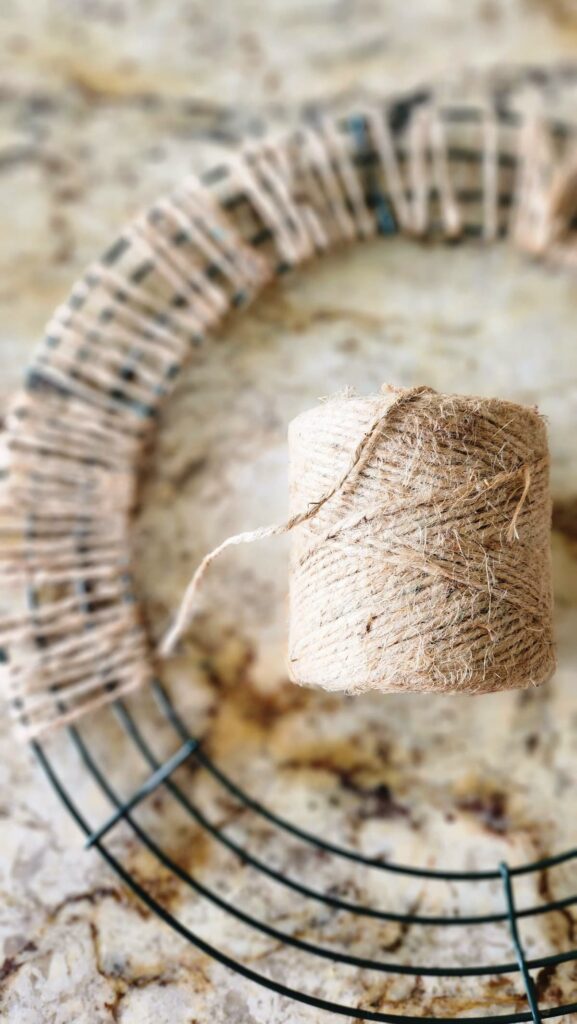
[[75, 437], [421, 545], [428, 568]]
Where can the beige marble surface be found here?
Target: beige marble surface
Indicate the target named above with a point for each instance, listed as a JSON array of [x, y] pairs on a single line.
[[103, 104]]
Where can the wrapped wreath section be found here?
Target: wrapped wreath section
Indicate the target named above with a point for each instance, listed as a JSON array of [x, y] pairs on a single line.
[[76, 433]]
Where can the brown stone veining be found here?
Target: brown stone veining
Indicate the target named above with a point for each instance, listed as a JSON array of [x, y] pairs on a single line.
[[102, 108]]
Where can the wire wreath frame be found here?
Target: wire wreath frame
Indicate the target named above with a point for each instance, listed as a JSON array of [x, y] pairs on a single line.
[[77, 433]]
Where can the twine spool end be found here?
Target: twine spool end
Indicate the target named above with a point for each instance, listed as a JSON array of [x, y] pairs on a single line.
[[428, 568]]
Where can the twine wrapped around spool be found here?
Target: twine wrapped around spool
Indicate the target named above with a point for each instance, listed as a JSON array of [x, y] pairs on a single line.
[[420, 556], [429, 566]]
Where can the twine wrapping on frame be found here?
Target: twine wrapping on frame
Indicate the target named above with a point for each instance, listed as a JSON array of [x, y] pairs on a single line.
[[75, 437]]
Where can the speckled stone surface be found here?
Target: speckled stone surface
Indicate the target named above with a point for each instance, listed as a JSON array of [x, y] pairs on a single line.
[[103, 104]]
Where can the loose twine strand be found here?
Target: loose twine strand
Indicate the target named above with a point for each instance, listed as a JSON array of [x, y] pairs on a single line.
[[364, 448]]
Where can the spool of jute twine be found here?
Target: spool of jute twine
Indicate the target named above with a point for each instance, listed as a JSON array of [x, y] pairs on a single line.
[[420, 553]]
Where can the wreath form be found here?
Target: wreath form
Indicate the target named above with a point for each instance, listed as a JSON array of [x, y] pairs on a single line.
[[76, 434]]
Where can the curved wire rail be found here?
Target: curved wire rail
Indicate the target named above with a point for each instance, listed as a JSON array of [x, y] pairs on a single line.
[[191, 747]]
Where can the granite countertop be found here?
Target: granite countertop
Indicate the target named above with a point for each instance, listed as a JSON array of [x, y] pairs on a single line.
[[103, 105]]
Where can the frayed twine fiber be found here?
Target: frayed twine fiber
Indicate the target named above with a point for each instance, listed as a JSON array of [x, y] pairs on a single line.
[[429, 568], [420, 556]]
